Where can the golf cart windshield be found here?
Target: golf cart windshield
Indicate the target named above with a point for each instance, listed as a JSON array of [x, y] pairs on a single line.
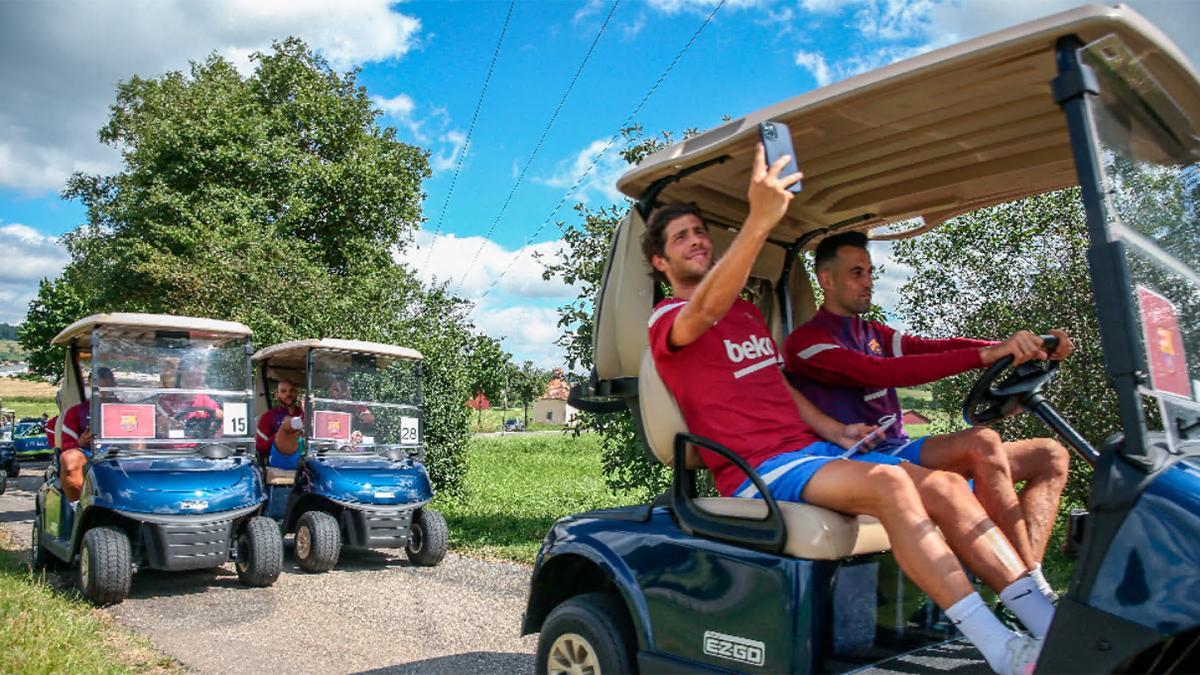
[[1151, 166], [364, 402], [163, 391]]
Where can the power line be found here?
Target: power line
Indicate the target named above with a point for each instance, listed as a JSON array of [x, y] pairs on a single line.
[[538, 146], [611, 140], [467, 141]]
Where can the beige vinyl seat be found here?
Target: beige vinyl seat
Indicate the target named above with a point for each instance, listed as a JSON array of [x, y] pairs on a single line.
[[277, 476], [813, 533]]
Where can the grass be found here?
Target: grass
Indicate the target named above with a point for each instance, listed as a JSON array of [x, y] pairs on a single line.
[[517, 486], [45, 630], [31, 407]]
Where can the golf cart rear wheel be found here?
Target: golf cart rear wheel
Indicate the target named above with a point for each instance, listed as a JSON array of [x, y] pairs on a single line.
[[428, 538], [259, 552], [105, 566], [3, 481], [39, 556], [318, 541], [589, 633]]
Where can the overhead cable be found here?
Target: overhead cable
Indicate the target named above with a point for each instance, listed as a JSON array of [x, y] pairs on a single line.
[[467, 140], [537, 147], [611, 140]]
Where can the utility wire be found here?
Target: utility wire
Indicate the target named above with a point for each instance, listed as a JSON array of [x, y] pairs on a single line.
[[611, 140], [538, 146], [467, 141]]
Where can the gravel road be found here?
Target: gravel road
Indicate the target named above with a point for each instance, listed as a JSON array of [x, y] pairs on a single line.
[[374, 613]]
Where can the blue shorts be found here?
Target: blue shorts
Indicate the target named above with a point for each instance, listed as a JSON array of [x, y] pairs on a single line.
[[786, 475], [281, 461], [910, 451]]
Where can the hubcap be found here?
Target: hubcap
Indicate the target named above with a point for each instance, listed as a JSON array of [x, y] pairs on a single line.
[[571, 654], [416, 539], [84, 564], [303, 542]]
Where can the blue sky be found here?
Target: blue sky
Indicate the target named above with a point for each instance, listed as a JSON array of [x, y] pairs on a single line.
[[424, 62]]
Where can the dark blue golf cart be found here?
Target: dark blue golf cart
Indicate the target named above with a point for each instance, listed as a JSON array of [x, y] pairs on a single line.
[[1094, 97], [360, 482], [171, 483]]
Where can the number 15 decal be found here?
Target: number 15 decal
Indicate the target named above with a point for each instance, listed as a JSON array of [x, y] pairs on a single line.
[[410, 431]]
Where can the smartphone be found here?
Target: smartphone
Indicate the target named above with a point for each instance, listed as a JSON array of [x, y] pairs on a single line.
[[777, 140], [876, 435]]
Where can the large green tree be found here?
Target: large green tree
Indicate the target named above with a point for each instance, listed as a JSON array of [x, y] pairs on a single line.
[[527, 384], [488, 369], [56, 305], [275, 199]]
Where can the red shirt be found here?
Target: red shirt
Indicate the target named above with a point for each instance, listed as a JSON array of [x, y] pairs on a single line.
[[50, 431], [729, 388], [268, 426], [75, 422]]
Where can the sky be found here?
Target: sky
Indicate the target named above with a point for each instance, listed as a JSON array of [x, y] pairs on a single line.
[[504, 176]]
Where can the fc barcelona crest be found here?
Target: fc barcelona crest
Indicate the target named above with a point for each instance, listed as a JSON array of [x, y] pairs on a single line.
[[873, 345], [129, 423]]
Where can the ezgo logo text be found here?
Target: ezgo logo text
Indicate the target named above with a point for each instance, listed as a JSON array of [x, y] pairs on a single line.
[[734, 648]]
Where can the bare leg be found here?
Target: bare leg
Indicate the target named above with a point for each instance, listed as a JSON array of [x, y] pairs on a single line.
[[887, 493], [71, 464], [966, 527], [979, 454], [1043, 464]]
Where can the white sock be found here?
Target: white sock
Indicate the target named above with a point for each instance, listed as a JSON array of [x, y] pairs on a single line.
[[982, 628], [1026, 601], [1042, 584]]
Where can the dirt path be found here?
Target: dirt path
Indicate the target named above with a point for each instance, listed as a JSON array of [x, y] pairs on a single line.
[[374, 613]]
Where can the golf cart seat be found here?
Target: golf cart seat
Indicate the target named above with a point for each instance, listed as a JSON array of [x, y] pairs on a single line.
[[813, 533], [277, 476]]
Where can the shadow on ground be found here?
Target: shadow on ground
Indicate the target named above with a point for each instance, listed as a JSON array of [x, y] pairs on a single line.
[[470, 662]]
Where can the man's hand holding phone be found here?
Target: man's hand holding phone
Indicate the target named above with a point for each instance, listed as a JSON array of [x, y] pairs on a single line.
[[870, 439]]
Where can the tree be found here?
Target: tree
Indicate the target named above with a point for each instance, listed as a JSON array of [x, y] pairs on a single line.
[[489, 367], [274, 199], [528, 383], [581, 263], [1020, 265], [56, 306], [8, 331]]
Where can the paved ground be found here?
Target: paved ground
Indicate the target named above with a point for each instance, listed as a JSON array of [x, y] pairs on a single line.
[[374, 613]]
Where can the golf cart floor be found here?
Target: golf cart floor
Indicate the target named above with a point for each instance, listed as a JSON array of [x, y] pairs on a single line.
[[954, 656]]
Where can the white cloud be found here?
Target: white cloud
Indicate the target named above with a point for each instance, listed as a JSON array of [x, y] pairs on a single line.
[[525, 331], [814, 63], [60, 62], [450, 255], [589, 8], [453, 144], [704, 6], [893, 276], [606, 166], [32, 257]]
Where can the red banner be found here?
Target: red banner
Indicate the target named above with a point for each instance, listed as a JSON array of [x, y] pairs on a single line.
[[332, 426], [126, 420], [1164, 344]]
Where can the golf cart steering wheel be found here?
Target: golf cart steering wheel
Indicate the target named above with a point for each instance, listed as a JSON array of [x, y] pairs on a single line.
[[197, 427], [989, 402]]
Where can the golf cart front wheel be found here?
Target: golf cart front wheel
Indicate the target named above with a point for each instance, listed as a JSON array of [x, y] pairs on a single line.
[[259, 552], [589, 633], [318, 541], [428, 538], [105, 566]]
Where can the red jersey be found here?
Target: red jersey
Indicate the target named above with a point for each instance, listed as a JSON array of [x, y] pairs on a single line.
[[74, 423], [51, 431], [729, 388], [268, 426]]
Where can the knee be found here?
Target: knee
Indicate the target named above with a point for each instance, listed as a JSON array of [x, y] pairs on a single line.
[[72, 461], [1056, 459], [893, 486], [947, 491], [987, 452]]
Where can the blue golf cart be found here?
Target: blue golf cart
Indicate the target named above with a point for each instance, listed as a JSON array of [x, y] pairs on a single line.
[[1094, 97], [360, 482], [171, 482]]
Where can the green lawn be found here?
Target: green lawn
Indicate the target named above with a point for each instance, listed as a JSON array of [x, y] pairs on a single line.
[[45, 630], [517, 486], [493, 418], [31, 407]]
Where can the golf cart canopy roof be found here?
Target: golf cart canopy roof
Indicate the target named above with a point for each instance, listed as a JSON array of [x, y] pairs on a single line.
[[81, 330], [294, 354], [934, 136]]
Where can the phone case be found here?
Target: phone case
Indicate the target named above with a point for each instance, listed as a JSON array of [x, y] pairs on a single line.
[[777, 141]]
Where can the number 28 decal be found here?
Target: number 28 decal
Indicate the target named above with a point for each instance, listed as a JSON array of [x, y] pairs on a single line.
[[410, 431]]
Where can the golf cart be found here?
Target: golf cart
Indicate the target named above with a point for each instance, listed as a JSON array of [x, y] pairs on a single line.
[[171, 483], [28, 441], [361, 482], [1095, 97]]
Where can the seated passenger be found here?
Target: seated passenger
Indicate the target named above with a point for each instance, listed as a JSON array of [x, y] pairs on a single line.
[[190, 408], [277, 438], [339, 389], [849, 367], [715, 353], [77, 437]]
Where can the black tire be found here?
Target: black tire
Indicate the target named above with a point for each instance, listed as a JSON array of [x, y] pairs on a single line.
[[259, 552], [428, 538], [3, 481], [39, 557], [105, 566], [318, 541], [592, 629]]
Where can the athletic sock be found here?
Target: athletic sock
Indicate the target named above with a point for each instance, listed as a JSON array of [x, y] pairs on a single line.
[[983, 629], [1042, 584], [1026, 601]]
